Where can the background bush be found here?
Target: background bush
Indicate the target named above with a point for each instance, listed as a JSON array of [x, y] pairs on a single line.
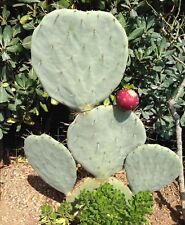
[[155, 67]]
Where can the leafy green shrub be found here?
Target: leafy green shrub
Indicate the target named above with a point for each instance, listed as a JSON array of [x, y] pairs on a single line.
[[104, 206]]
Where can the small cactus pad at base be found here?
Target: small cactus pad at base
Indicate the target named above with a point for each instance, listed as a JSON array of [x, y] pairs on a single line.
[[79, 56], [91, 184], [101, 138], [150, 167], [52, 161]]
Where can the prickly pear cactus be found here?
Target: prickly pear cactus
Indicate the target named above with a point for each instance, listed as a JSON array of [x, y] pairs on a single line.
[[100, 139], [79, 56], [150, 167], [52, 161]]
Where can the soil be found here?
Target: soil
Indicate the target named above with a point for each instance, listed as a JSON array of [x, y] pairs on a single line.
[[22, 193]]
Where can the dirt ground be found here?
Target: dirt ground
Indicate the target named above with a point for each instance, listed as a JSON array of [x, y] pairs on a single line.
[[22, 193]]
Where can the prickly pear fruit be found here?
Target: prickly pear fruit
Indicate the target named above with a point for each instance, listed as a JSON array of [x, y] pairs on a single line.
[[127, 99]]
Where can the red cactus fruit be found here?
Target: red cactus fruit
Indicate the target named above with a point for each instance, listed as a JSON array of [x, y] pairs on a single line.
[[127, 99]]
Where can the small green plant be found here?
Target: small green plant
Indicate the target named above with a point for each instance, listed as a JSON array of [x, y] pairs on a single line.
[[104, 206], [63, 215]]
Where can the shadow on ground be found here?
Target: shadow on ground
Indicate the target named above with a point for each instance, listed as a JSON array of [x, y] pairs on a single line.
[[175, 212], [43, 188]]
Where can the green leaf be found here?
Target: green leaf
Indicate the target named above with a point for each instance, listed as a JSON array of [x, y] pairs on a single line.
[[5, 13], [120, 17], [44, 107], [14, 48], [16, 30], [5, 84], [54, 102], [24, 19], [3, 95], [157, 68], [101, 5], [14, 41], [5, 56], [133, 13], [106, 102], [1, 117], [27, 42], [61, 221], [18, 128], [136, 33], [162, 46], [46, 209], [7, 34], [63, 3], [32, 74], [29, 26]]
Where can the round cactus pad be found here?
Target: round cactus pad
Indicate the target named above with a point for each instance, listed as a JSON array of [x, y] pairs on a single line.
[[92, 184], [79, 56], [150, 167], [52, 161], [101, 138]]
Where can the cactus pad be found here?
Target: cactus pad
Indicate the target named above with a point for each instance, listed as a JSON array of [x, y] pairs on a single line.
[[101, 138], [79, 56], [91, 184], [150, 167], [52, 161]]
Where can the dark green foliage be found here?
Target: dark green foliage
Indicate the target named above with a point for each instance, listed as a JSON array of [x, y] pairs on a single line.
[[105, 206], [155, 65]]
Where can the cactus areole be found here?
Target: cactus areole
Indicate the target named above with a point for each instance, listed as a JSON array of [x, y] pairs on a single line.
[[127, 99]]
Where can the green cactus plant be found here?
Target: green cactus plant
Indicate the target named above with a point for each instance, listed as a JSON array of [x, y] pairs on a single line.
[[79, 58]]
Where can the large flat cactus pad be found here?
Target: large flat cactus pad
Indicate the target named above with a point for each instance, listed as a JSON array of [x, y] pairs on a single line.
[[52, 161], [150, 167], [79, 56]]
